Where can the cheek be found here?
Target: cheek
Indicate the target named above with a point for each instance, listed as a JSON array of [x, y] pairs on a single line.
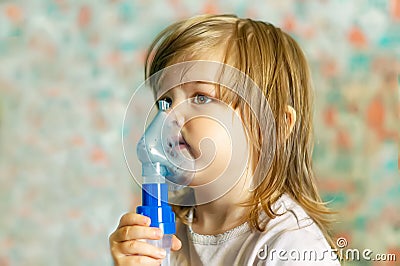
[[208, 136], [211, 145]]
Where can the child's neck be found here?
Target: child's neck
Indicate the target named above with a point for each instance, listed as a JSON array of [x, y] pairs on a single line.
[[215, 218], [223, 214]]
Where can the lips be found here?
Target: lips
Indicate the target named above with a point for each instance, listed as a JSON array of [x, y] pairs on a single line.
[[180, 145], [182, 142]]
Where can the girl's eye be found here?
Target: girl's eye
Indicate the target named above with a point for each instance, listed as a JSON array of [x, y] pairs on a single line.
[[201, 99]]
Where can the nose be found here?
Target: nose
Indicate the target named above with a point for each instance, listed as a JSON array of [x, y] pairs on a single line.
[[177, 113], [178, 108]]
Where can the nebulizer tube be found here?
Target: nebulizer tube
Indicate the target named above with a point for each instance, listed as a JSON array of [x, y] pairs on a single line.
[[162, 169], [155, 206]]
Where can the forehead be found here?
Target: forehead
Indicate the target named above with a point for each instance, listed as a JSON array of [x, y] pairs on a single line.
[[194, 65], [226, 81], [195, 74]]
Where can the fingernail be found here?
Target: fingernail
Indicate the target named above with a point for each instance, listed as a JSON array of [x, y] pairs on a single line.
[[146, 220], [162, 253]]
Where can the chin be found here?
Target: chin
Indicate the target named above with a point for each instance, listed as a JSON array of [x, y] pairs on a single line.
[[197, 181], [204, 179]]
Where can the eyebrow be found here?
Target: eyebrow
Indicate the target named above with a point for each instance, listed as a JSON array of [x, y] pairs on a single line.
[[207, 86]]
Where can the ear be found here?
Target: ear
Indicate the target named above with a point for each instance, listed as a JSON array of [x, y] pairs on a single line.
[[290, 119]]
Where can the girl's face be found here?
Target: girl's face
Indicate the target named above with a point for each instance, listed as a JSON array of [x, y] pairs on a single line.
[[211, 132]]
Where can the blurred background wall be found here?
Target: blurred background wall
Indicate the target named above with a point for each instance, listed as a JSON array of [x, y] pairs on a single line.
[[68, 69]]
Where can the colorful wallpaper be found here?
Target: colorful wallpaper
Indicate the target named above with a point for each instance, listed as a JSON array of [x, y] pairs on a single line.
[[68, 69]]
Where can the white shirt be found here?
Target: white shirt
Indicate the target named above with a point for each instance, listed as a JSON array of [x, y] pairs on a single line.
[[289, 239]]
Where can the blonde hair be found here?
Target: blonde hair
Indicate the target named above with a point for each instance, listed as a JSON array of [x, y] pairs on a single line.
[[275, 62]]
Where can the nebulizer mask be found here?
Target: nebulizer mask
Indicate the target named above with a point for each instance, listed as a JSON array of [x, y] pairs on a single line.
[[164, 168]]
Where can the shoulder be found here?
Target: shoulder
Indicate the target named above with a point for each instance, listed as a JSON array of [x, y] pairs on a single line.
[[292, 236], [291, 220]]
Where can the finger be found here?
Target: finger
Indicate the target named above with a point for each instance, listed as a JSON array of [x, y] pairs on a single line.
[[176, 243], [138, 260], [136, 232], [136, 247], [132, 218]]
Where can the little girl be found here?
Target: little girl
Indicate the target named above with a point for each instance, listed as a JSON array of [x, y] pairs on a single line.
[[279, 221]]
